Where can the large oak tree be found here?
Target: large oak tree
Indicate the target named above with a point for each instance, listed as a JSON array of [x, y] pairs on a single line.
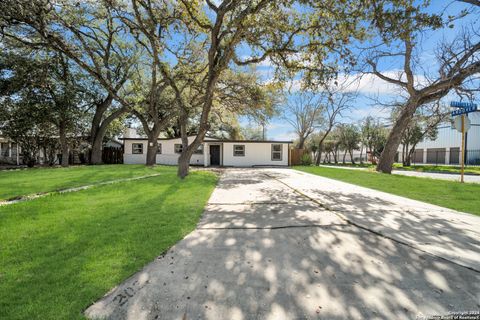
[[88, 34], [296, 35], [400, 29]]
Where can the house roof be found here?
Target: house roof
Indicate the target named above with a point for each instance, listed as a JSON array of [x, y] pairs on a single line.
[[115, 141], [251, 141], [207, 139]]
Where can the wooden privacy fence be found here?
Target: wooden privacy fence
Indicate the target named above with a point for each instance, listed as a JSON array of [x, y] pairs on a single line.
[[296, 156], [112, 155]]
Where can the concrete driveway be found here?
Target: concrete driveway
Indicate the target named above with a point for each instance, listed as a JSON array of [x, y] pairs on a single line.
[[282, 244]]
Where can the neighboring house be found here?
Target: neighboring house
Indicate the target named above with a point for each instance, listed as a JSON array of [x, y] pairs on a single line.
[[113, 143], [446, 148], [9, 152], [212, 152]]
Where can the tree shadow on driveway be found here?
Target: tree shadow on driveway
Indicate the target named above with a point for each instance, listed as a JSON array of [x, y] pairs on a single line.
[[439, 231], [288, 258]]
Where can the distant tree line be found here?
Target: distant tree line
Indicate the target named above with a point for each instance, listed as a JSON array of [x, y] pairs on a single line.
[[417, 109], [72, 68], [330, 141]]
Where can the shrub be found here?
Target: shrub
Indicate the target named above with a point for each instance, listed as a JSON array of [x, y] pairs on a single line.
[[306, 159]]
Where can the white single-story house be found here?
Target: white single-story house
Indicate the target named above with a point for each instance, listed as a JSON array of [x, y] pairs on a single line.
[[212, 152]]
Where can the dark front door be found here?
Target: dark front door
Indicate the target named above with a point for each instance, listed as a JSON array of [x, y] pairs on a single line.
[[214, 155]]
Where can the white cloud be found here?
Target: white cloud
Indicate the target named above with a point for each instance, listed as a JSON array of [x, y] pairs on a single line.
[[371, 84], [279, 126], [265, 63], [374, 111], [287, 136], [280, 130], [365, 83]]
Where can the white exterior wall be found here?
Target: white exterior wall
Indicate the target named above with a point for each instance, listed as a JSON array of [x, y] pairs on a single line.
[[256, 154], [450, 138], [168, 156]]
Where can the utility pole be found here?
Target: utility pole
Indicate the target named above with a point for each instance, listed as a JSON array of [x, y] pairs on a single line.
[[462, 124], [263, 130], [463, 149]]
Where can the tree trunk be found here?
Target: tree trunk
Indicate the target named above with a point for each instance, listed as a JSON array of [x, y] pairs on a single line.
[[96, 154], [97, 142], [373, 156], [213, 75], [408, 158], [63, 144], [405, 155], [301, 142], [344, 155], [184, 159], [387, 157], [152, 153], [319, 155], [320, 145], [183, 166], [152, 134], [361, 154], [351, 157], [99, 128], [408, 162], [152, 149]]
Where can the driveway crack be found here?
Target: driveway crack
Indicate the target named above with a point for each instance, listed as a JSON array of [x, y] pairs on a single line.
[[323, 226]]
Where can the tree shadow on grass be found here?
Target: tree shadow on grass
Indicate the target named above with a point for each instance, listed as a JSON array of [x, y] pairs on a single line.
[[72, 248]]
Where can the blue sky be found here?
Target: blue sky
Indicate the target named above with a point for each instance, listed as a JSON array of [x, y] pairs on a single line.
[[369, 87]]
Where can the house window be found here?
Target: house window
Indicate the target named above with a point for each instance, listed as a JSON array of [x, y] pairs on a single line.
[[239, 150], [14, 150], [137, 148], [276, 152], [178, 148], [4, 149], [199, 150], [159, 148]]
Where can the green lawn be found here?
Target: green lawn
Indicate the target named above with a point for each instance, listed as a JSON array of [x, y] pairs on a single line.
[[440, 169], [351, 165], [448, 194], [60, 253], [15, 183]]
